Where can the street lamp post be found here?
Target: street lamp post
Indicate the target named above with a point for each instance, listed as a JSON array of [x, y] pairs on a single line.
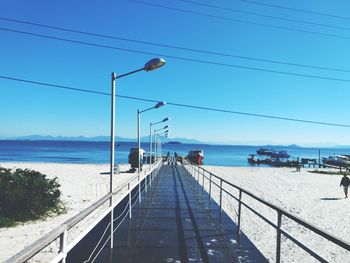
[[150, 65], [160, 142], [157, 106], [150, 137], [155, 139], [164, 135]]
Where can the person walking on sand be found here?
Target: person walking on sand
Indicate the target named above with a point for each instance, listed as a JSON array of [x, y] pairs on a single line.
[[345, 182]]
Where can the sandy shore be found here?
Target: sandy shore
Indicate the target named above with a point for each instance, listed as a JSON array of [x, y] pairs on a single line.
[[316, 198], [81, 185]]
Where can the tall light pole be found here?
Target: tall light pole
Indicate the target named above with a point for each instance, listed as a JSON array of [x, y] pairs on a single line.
[[150, 65], [155, 138], [157, 106], [155, 131], [150, 137], [162, 136]]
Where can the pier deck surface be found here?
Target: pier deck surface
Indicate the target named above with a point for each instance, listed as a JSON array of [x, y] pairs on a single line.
[[177, 222]]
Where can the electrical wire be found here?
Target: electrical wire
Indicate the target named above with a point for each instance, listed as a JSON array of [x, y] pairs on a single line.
[[171, 46], [180, 104], [178, 57], [239, 20], [264, 15], [295, 9]]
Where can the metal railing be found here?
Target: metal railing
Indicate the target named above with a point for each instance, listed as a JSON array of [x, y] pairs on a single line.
[[143, 181], [197, 172]]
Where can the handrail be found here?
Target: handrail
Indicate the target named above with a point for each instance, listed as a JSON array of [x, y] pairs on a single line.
[[280, 211], [33, 249]]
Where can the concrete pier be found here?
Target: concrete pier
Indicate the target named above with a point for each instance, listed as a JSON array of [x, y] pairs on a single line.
[[176, 222]]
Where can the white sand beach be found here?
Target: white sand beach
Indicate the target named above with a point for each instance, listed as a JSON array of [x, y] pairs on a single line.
[[316, 198], [81, 185]]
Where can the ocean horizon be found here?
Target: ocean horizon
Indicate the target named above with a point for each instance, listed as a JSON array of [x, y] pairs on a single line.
[[81, 152]]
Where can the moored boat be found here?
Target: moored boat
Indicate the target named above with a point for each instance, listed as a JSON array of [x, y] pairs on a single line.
[[279, 154], [283, 162], [252, 159], [264, 151], [273, 153], [337, 160]]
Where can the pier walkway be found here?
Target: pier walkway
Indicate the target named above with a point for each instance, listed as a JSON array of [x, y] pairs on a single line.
[[176, 222]]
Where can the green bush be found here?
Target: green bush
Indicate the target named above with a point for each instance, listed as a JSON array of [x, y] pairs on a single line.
[[26, 195]]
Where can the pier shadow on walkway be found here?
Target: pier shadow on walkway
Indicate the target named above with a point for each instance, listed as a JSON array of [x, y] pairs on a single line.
[[177, 222]]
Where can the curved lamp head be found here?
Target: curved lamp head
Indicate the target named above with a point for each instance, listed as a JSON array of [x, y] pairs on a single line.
[[154, 64], [166, 127], [163, 133], [160, 104], [166, 119]]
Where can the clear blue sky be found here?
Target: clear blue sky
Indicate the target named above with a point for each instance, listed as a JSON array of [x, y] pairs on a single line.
[[31, 109]]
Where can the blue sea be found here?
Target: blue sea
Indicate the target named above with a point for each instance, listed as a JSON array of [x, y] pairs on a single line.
[[98, 152]]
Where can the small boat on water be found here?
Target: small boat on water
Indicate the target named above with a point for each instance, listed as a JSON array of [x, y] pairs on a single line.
[[264, 151], [252, 159], [337, 160], [196, 157], [280, 154], [277, 158], [273, 153], [283, 162]]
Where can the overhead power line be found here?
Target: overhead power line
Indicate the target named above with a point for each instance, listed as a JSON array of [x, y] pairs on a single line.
[[295, 9], [264, 15], [177, 57], [52, 85], [229, 19], [172, 46]]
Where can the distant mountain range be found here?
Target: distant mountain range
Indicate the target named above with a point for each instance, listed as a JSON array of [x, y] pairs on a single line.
[[94, 139], [175, 139]]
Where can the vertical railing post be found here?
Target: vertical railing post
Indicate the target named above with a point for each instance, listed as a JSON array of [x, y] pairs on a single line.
[[198, 175], [209, 187], [202, 181], [220, 195], [150, 180], [154, 173], [239, 212], [139, 188], [130, 201], [146, 182], [63, 244], [278, 245]]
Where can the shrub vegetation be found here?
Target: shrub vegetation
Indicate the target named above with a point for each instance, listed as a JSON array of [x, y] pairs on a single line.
[[27, 195]]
